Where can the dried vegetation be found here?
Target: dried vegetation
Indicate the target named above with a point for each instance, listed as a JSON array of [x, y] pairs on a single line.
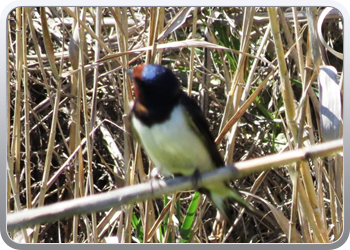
[[267, 79]]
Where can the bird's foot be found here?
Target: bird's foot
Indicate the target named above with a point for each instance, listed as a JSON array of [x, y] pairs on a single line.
[[196, 177]]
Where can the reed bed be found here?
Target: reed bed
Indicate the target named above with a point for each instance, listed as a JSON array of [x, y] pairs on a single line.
[[269, 81]]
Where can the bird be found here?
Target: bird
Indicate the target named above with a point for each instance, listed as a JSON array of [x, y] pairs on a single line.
[[175, 133]]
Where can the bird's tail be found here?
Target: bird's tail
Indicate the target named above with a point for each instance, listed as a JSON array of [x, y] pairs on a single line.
[[223, 196]]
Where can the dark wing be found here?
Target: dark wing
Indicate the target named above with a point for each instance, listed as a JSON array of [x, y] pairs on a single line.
[[201, 127]]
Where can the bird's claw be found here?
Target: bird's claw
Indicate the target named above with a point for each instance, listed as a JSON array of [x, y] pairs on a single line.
[[196, 178]]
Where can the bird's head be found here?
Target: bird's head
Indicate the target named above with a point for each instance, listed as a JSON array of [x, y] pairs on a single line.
[[154, 83]]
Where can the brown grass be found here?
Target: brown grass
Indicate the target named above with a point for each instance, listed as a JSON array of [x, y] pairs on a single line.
[[254, 72]]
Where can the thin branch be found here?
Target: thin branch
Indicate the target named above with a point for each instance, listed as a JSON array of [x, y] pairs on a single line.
[[150, 190]]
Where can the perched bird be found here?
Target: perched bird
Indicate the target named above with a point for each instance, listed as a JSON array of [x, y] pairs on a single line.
[[174, 132]]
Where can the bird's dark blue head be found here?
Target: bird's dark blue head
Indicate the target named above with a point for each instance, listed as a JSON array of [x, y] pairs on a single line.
[[151, 72], [154, 83]]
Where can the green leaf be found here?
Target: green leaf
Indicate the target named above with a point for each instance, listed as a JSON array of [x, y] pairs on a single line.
[[185, 230], [300, 85], [137, 225]]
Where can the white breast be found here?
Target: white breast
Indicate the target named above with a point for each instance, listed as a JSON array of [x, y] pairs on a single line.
[[173, 146]]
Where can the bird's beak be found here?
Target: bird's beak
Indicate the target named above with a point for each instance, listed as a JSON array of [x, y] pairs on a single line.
[[130, 73]]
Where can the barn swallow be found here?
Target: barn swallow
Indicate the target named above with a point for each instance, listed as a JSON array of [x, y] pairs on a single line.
[[175, 134]]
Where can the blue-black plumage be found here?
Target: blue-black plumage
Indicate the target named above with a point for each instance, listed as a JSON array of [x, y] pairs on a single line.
[[175, 133]]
